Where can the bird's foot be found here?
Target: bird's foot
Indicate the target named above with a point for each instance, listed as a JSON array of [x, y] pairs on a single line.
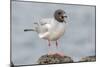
[[56, 53], [49, 44], [51, 53], [60, 54]]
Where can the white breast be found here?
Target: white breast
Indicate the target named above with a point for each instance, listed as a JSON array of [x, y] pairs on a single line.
[[55, 31]]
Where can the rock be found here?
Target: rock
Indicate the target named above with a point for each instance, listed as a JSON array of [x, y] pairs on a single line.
[[88, 59], [54, 59]]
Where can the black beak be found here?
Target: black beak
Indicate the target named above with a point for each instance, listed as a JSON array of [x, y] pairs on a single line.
[[65, 16]]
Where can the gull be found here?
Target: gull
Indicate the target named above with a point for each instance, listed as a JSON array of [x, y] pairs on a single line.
[[51, 29]]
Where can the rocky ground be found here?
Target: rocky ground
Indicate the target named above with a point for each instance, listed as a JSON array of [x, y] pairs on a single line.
[[88, 59], [56, 59]]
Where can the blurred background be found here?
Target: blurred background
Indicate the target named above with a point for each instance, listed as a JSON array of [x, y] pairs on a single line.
[[77, 42]]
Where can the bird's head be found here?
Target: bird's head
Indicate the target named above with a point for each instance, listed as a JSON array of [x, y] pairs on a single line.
[[60, 16]]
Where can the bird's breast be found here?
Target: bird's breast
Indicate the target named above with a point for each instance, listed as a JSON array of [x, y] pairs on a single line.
[[55, 33]]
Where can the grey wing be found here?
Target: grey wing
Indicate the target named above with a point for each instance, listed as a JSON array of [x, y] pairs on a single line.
[[45, 21], [44, 29], [41, 29]]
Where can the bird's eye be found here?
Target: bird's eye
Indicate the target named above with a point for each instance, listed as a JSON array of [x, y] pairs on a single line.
[[59, 13]]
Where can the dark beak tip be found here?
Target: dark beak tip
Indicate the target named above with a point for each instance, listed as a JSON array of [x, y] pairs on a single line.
[[65, 16]]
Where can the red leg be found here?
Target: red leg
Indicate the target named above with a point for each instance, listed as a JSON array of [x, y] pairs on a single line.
[[49, 43], [56, 44]]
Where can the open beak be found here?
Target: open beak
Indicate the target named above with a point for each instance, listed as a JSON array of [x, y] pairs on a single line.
[[65, 21], [65, 17], [62, 17]]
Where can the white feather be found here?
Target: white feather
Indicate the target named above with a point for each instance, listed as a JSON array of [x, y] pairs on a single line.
[[51, 29]]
